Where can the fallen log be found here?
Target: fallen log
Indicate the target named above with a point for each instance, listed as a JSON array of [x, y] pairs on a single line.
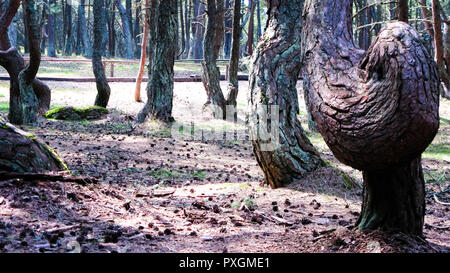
[[53, 177]]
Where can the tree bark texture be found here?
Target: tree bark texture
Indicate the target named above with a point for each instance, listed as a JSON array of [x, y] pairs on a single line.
[[125, 30], [23, 152], [273, 77], [103, 89], [137, 92], [233, 83], [377, 111], [160, 85], [211, 47]]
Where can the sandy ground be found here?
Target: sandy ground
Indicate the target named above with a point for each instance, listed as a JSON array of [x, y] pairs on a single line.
[[164, 194]]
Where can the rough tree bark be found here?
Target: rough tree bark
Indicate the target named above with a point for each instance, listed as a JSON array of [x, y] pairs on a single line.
[[26, 77], [273, 79], [211, 48], [103, 89], [377, 111], [23, 152], [160, 85], [233, 83], [82, 26]]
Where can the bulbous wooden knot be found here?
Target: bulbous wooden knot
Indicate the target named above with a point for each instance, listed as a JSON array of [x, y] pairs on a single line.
[[390, 114]]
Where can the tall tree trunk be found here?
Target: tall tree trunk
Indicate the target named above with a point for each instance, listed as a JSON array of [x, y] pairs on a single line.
[[87, 46], [160, 85], [364, 112], [137, 92], [69, 39], [258, 18], [233, 83], [26, 76], [439, 47], [228, 35], [182, 32], [51, 52], [403, 14], [187, 20], [125, 30], [199, 12], [251, 28], [103, 90], [137, 29], [284, 154], [211, 47]]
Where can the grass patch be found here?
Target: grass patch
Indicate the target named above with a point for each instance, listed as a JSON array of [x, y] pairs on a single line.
[[438, 151], [4, 106]]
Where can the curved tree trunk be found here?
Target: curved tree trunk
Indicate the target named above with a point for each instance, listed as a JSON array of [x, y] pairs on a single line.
[[103, 89], [211, 48], [27, 75], [160, 85], [273, 79], [233, 83], [377, 111]]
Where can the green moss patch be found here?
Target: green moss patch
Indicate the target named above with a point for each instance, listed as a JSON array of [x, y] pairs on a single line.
[[77, 113]]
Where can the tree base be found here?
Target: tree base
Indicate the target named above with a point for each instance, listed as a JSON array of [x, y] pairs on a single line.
[[394, 199]]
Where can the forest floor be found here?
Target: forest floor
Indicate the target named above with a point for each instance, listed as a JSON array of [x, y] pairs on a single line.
[[160, 192]]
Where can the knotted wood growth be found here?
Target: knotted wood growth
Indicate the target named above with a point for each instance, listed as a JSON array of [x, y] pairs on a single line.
[[377, 111]]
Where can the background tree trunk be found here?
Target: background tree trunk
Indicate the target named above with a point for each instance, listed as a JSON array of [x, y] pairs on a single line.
[[87, 46], [251, 28], [137, 92], [280, 53], [103, 89], [403, 14], [233, 83], [51, 52], [125, 30], [365, 113], [160, 85], [211, 47]]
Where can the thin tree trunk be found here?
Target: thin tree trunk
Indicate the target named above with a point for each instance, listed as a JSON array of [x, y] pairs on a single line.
[[182, 32], [137, 92], [160, 85], [69, 39], [137, 29], [103, 89], [403, 15], [87, 46], [251, 28], [233, 83], [187, 20], [51, 52], [258, 17], [125, 30], [284, 154]]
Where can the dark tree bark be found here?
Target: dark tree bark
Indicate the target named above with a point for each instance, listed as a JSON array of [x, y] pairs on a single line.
[[439, 47], [125, 30], [233, 83], [68, 30], [103, 89], [211, 47], [377, 111], [251, 28], [280, 53], [187, 20], [137, 30], [160, 85], [87, 46], [228, 35], [51, 52], [182, 32], [403, 14], [27, 75], [258, 18]]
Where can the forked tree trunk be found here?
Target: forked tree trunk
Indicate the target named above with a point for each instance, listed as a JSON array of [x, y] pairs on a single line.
[[160, 85], [211, 47], [103, 89], [233, 83], [26, 77], [273, 79], [377, 117]]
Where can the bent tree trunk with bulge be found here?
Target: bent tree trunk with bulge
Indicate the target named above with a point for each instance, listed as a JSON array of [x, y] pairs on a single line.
[[273, 79], [160, 85], [103, 89], [377, 111]]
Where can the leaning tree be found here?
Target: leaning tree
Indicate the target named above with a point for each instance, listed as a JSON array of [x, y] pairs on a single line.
[[377, 110], [272, 81]]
